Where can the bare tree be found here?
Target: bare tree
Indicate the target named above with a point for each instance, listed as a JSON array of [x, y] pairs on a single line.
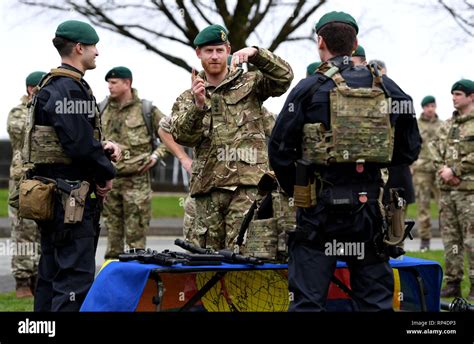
[[152, 23], [462, 13]]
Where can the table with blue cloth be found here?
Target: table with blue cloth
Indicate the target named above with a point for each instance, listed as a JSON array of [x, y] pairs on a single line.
[[133, 286]]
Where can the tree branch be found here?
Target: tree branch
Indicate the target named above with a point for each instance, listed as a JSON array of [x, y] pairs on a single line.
[[153, 32], [200, 12], [257, 19], [458, 19], [162, 7], [192, 29], [224, 12], [123, 31], [289, 28]]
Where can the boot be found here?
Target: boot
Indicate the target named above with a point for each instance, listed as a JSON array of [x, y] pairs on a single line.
[[425, 245], [452, 289], [33, 280], [23, 288]]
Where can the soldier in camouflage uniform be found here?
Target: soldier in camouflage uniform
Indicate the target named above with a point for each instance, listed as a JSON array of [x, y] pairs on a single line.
[[221, 117], [453, 154], [186, 161], [24, 231], [424, 173], [127, 210]]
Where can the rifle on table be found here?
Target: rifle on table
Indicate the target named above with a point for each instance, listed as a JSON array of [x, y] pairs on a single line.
[[169, 258], [229, 256]]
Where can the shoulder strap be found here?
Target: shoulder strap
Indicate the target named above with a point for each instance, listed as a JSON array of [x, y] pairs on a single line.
[[147, 108], [102, 105], [377, 79], [329, 70]]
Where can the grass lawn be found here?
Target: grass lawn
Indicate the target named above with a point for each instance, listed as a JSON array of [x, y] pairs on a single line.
[[438, 255], [9, 303], [162, 206], [167, 206], [412, 210], [3, 202]]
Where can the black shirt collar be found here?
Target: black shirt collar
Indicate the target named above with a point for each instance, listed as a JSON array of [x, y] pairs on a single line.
[[68, 66], [342, 62]]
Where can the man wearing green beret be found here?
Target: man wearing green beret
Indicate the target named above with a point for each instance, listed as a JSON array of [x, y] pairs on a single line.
[[133, 124], [453, 154], [221, 117], [424, 172], [358, 56], [63, 143], [326, 151], [24, 231], [311, 69]]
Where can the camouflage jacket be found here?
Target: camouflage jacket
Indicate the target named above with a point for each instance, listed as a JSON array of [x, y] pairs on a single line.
[[16, 129], [125, 126], [428, 129], [453, 146], [228, 136]]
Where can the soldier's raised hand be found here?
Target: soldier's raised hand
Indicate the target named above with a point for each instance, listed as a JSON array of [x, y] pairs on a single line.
[[242, 56], [199, 90]]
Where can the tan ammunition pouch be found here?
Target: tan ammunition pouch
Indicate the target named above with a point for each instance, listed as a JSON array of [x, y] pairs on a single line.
[[36, 199], [304, 190], [305, 196], [360, 127], [75, 203]]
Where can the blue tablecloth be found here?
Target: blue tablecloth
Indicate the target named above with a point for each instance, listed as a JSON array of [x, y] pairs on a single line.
[[119, 285]]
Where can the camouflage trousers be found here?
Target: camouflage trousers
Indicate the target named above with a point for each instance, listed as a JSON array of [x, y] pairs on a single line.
[[219, 215], [189, 217], [457, 231], [127, 214], [25, 238], [425, 190]]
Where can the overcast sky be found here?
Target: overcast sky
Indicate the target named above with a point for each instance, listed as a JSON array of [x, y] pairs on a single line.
[[423, 48]]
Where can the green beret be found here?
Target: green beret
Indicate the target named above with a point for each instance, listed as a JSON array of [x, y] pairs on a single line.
[[428, 100], [77, 31], [34, 78], [312, 68], [338, 17], [465, 85], [359, 51], [211, 35], [119, 72]]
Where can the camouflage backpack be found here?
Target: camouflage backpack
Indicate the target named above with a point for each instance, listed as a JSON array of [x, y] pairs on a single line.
[[267, 222], [360, 124]]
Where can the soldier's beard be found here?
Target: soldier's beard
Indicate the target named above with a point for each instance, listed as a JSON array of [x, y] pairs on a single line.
[[214, 68]]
